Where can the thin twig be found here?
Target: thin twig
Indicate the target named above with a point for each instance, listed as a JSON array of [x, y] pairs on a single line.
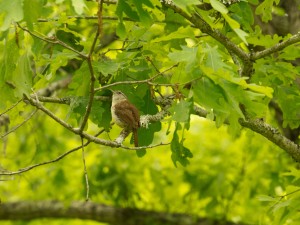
[[53, 40], [175, 84], [65, 100], [10, 108], [293, 192], [122, 49], [50, 161], [85, 172], [68, 100], [143, 147], [92, 73], [137, 81], [43, 20], [43, 163], [21, 124], [91, 96], [100, 17], [152, 63]]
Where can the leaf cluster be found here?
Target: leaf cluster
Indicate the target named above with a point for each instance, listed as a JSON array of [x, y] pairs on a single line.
[[172, 58]]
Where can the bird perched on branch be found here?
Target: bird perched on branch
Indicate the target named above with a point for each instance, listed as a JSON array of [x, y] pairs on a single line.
[[125, 114]]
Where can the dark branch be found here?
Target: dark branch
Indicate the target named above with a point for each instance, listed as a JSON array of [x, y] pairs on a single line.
[[98, 212]]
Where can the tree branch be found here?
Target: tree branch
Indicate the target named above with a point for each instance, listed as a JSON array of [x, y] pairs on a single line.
[[11, 107], [38, 105], [98, 212], [266, 130], [91, 69], [198, 22], [271, 133], [292, 40], [255, 125], [85, 172]]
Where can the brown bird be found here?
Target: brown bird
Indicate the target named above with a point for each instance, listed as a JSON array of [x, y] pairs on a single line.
[[125, 114]]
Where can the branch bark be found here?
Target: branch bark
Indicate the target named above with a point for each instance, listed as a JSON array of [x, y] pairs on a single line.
[[266, 130], [98, 212]]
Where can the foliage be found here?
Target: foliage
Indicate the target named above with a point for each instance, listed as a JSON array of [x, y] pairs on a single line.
[[62, 56]]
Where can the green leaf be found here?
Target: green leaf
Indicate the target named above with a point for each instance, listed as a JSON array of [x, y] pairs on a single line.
[[235, 26], [241, 34], [267, 91], [107, 67], [185, 55], [232, 23], [265, 9], [11, 11], [79, 6], [141, 152], [283, 204], [10, 55], [146, 106], [98, 114], [60, 59], [289, 101], [121, 30], [22, 76], [243, 14], [208, 94], [182, 111], [257, 38], [179, 152], [185, 3], [144, 15], [124, 7], [220, 7], [182, 32], [16, 70], [290, 53], [213, 58], [80, 81], [32, 11], [78, 107], [223, 98]]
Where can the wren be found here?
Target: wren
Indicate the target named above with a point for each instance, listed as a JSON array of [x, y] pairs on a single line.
[[125, 114]]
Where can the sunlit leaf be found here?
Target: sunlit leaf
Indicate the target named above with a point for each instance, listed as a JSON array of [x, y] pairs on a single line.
[[12, 12], [182, 32], [79, 6], [185, 3], [182, 111], [217, 5]]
